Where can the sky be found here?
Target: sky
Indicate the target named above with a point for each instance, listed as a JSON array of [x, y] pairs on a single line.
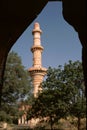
[[59, 39]]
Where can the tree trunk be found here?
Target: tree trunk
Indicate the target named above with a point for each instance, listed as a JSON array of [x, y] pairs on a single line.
[[79, 123], [51, 123], [0, 95]]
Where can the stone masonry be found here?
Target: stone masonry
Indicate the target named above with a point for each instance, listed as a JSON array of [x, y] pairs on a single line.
[[37, 72]]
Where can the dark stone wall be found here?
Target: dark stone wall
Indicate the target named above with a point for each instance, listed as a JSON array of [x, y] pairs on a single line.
[[74, 12], [15, 17]]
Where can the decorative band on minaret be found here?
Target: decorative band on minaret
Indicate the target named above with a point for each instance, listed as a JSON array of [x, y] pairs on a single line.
[[37, 72]]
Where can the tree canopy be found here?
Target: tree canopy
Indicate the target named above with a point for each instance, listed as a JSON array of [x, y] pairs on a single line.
[[17, 84], [63, 89]]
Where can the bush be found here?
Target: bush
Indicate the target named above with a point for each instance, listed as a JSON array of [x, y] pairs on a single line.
[[5, 117]]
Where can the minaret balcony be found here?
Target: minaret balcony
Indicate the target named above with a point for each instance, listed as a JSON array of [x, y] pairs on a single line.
[[34, 48]]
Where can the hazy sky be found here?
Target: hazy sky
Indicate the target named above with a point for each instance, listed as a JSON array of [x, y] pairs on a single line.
[[59, 39]]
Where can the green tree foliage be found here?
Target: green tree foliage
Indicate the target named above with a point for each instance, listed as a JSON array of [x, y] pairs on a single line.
[[17, 84], [73, 77], [62, 90]]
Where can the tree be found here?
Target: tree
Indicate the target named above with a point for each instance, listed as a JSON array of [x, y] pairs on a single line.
[[60, 90], [49, 105], [17, 84], [53, 102], [73, 78]]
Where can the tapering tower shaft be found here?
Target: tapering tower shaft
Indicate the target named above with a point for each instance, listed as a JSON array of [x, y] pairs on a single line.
[[37, 48], [37, 72]]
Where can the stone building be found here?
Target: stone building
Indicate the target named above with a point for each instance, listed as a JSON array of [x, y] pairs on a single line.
[[37, 72]]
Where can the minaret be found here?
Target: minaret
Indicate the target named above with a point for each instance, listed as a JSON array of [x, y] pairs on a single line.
[[37, 72]]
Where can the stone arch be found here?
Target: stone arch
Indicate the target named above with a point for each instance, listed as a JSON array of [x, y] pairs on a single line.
[[16, 16]]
